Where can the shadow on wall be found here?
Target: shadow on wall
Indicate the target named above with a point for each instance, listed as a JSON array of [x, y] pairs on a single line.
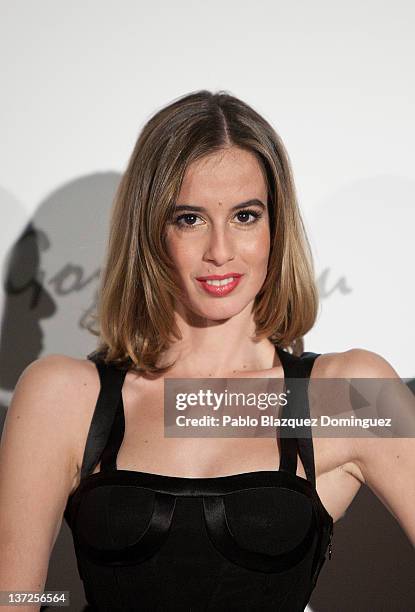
[[50, 280]]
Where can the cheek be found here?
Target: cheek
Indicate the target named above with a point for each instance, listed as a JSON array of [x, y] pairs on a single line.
[[180, 254], [256, 249]]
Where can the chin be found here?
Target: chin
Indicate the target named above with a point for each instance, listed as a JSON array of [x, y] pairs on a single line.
[[218, 310]]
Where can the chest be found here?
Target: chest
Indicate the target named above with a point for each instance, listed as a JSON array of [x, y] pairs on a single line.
[[146, 447]]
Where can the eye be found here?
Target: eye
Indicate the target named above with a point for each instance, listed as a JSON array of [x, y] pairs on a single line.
[[181, 220], [246, 214]]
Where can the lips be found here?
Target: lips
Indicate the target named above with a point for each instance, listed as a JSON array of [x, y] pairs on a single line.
[[219, 276], [219, 285]]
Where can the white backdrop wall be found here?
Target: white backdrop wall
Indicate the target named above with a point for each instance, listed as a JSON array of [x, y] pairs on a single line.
[[79, 80]]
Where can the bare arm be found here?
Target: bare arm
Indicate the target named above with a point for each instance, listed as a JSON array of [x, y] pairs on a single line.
[[37, 472], [386, 465]]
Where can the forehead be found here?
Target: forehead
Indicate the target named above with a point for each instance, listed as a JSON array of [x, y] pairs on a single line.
[[229, 175]]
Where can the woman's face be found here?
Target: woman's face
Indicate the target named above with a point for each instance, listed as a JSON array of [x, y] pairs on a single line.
[[221, 228]]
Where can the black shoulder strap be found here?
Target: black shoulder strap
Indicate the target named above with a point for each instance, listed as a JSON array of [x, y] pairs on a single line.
[[106, 409], [298, 405]]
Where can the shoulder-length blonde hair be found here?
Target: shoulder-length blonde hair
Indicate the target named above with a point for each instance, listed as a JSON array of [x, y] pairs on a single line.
[[134, 308]]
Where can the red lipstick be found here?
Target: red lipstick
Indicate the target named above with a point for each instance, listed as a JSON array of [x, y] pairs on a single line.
[[219, 285], [219, 276]]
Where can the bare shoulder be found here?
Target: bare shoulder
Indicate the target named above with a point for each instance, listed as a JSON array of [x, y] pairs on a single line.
[[59, 376], [386, 464], [340, 472], [353, 363], [60, 367], [63, 390], [43, 430]]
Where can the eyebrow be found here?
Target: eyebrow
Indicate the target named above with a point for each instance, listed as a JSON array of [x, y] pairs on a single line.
[[253, 202]]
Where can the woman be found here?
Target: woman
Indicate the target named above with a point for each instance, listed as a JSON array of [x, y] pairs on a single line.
[[208, 274]]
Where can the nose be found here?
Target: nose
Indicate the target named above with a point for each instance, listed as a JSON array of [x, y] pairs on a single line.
[[220, 246]]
